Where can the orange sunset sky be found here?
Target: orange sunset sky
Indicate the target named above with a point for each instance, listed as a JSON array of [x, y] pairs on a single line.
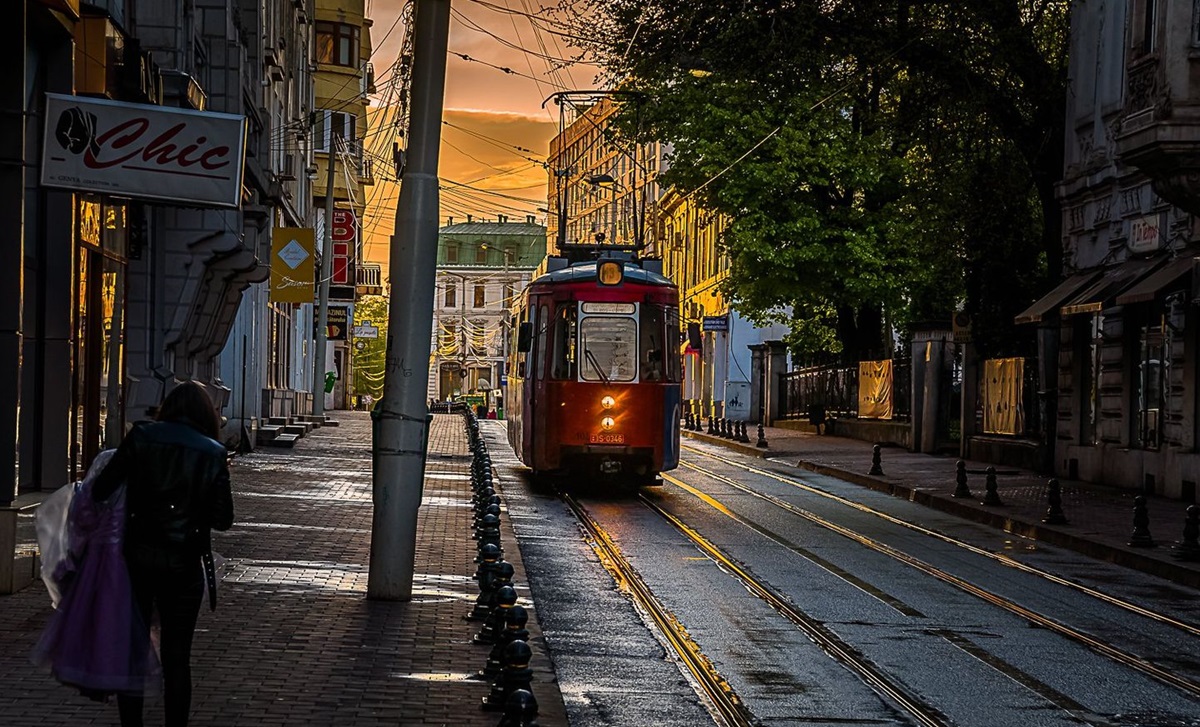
[[488, 113]]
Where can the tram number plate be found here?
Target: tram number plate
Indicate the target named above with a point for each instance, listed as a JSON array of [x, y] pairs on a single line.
[[608, 439]]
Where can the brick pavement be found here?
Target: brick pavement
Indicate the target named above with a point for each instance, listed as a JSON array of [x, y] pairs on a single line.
[[294, 640], [1101, 518]]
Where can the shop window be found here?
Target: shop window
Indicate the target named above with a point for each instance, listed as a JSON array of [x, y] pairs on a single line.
[[337, 44]]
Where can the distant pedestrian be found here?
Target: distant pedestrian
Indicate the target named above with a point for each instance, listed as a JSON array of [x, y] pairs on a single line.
[[176, 491]]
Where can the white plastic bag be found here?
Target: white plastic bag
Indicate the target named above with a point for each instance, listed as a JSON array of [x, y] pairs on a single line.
[[54, 537], [55, 531]]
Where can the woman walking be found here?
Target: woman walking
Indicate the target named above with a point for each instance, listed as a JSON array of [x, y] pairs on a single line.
[[176, 491]]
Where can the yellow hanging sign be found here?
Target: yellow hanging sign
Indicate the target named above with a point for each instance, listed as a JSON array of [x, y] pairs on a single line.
[[875, 389], [1003, 412], [292, 272]]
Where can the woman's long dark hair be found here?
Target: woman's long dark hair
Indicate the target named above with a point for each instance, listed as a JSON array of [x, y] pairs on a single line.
[[190, 404]]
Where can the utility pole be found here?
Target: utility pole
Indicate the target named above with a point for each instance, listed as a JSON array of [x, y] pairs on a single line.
[[400, 429], [319, 342]]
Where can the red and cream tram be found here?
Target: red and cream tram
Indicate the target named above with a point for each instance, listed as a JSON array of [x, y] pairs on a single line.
[[594, 373]]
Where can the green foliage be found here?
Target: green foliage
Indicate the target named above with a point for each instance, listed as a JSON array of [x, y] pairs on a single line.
[[879, 159], [369, 362]]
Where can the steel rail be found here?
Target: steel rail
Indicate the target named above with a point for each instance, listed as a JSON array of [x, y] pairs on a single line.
[[725, 703], [1190, 628], [836, 647], [1131, 660]]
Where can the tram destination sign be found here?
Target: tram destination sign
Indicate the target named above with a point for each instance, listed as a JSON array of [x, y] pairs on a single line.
[[194, 158]]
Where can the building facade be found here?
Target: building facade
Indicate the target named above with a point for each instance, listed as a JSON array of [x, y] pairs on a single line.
[[600, 192], [482, 266], [720, 358], [1122, 325], [142, 189]]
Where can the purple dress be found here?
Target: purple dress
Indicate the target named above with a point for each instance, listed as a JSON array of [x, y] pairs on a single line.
[[96, 640]]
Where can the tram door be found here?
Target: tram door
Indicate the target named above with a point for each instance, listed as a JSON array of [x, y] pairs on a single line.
[[535, 385]]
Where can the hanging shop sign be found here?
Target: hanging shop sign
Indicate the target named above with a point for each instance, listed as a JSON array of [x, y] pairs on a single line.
[[1144, 234], [366, 330], [716, 323], [344, 237], [292, 265], [141, 151], [337, 322]]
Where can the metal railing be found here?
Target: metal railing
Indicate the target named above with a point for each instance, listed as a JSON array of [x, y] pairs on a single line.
[[830, 390]]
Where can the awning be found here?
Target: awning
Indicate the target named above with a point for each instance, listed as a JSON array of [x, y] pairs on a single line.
[[1100, 294], [1162, 279], [1052, 300]]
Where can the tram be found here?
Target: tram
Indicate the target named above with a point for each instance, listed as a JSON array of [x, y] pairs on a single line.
[[594, 373]]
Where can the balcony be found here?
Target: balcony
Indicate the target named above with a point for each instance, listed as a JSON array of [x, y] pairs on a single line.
[[1159, 133], [369, 279]]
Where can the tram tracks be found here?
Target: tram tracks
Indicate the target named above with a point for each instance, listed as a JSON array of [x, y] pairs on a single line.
[[727, 705], [1133, 608], [1120, 656]]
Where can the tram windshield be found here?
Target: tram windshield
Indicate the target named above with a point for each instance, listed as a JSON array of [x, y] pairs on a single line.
[[609, 347]]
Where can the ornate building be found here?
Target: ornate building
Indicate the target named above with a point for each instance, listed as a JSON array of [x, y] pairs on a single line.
[[1123, 322]]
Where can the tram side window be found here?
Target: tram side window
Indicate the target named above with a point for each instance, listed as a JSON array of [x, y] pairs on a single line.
[[516, 356], [608, 347], [652, 343], [672, 337], [563, 358], [540, 338]]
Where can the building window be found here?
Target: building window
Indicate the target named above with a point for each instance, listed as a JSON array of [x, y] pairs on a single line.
[[337, 43], [451, 252], [449, 336], [329, 124], [451, 295], [481, 255], [1153, 373], [1145, 35], [480, 298]]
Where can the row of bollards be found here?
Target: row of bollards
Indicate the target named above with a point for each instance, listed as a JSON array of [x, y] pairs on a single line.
[[503, 628], [1188, 550], [724, 428]]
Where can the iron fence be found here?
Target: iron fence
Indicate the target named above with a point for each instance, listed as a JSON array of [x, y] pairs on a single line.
[[830, 390]]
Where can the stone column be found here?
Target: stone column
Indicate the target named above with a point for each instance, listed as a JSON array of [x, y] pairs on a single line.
[[758, 354], [776, 368]]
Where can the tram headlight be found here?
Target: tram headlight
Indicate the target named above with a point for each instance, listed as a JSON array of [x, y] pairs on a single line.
[[608, 402], [607, 423]]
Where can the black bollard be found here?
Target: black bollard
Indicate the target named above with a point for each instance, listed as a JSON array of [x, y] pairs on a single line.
[[1141, 525], [1189, 549], [520, 710], [744, 438], [1055, 514], [515, 675], [491, 580], [712, 428], [488, 556], [506, 598], [992, 496], [762, 437], [514, 630], [876, 461], [960, 477]]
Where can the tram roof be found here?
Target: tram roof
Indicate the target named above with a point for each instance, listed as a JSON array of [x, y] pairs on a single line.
[[586, 271]]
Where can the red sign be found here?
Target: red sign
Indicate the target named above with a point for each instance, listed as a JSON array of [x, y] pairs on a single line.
[[344, 233]]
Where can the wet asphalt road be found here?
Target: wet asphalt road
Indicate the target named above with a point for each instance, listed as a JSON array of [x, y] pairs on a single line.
[[976, 663]]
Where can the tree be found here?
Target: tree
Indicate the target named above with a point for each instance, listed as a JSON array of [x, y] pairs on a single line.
[[879, 159], [369, 361]]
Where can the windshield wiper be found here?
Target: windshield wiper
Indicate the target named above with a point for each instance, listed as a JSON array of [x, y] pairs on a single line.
[[591, 358]]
